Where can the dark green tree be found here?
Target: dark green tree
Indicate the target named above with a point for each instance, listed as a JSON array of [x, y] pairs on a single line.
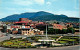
[[64, 31], [71, 30], [50, 31], [58, 31]]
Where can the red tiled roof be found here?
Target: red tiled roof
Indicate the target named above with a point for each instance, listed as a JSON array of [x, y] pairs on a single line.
[[68, 23], [22, 22], [16, 22], [59, 25], [14, 32], [15, 27]]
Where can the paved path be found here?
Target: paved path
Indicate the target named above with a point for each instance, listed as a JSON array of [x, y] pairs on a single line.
[[2, 38], [56, 48]]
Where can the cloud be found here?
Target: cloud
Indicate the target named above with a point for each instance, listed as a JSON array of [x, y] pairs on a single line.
[[11, 11], [22, 2], [2, 15], [48, 3], [40, 1], [76, 4], [68, 13], [28, 2]]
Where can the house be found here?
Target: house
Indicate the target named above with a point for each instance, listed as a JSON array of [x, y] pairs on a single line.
[[27, 30], [23, 21], [14, 32], [1, 23], [40, 23], [57, 26], [64, 25], [69, 25], [76, 25], [1, 27]]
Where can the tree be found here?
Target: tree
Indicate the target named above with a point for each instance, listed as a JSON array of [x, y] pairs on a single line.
[[50, 31], [57, 31], [41, 27], [70, 30], [64, 31]]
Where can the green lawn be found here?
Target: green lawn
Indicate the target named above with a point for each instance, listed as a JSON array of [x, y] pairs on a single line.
[[62, 42], [68, 39], [16, 43]]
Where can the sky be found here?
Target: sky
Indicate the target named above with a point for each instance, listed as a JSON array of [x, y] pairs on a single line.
[[69, 8]]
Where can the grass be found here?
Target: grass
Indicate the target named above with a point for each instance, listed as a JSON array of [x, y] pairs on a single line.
[[18, 43], [67, 39], [64, 39], [62, 42]]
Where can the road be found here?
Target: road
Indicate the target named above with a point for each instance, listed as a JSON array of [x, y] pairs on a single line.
[[59, 35], [2, 38], [18, 35], [55, 48]]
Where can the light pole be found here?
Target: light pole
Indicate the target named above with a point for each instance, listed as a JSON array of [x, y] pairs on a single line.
[[46, 31], [73, 35]]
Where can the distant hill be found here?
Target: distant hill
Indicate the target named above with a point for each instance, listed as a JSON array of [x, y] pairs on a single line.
[[16, 17], [39, 16], [62, 18]]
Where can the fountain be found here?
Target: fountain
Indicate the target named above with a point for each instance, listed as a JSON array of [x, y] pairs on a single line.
[[46, 40]]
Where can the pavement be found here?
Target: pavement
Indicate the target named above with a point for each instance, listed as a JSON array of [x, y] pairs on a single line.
[[54, 48], [3, 37]]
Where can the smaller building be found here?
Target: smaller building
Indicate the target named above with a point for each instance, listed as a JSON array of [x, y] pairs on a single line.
[[23, 21], [0, 23], [28, 30], [69, 25], [1, 27], [57, 26]]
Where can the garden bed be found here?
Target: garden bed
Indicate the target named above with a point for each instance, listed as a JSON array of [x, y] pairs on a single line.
[[16, 43]]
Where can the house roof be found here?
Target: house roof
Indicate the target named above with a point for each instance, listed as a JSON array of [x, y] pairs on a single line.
[[22, 22], [57, 24]]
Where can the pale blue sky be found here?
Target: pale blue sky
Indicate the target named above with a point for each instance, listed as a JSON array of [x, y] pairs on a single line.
[[66, 7]]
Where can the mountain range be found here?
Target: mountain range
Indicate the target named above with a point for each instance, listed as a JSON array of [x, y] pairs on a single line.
[[39, 16]]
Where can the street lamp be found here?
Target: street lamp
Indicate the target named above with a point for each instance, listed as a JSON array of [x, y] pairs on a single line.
[[46, 32], [73, 35]]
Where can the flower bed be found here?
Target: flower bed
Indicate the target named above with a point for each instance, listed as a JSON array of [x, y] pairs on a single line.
[[16, 43]]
